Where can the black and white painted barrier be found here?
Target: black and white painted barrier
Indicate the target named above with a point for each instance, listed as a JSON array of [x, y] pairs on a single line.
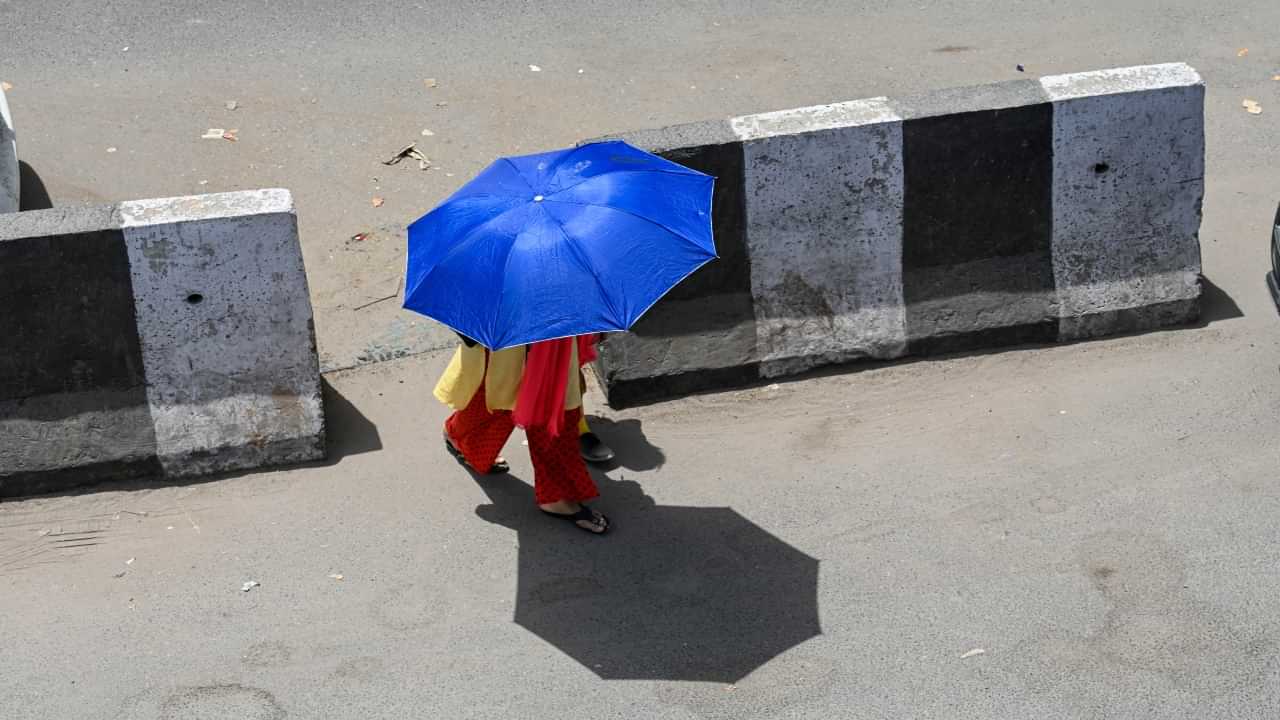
[[8, 159], [160, 337], [1042, 210]]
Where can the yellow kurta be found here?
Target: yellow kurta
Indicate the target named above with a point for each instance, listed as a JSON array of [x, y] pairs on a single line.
[[467, 371]]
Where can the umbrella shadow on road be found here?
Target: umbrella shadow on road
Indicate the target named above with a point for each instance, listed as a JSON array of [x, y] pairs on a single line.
[[671, 593]]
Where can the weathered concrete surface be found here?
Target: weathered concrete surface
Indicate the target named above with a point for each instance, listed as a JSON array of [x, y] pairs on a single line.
[[1128, 163], [824, 202], [1020, 212], [159, 336], [9, 194]]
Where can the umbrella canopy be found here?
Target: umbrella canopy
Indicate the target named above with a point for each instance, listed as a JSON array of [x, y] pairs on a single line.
[[572, 242]]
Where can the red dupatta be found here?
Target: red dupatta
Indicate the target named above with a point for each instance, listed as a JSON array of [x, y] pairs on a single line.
[[546, 379]]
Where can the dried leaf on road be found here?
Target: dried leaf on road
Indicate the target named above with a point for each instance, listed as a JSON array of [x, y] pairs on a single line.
[[377, 202], [973, 653], [409, 151], [401, 154], [431, 83], [1252, 107]]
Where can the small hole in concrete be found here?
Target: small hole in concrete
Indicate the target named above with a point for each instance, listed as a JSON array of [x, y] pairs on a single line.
[[195, 298], [1101, 168]]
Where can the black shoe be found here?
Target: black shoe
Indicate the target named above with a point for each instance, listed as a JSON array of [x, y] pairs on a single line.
[[593, 449]]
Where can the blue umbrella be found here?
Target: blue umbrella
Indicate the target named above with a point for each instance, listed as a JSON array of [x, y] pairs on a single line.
[[572, 242]]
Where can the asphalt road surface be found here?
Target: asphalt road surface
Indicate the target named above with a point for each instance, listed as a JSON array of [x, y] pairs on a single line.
[[1098, 519]]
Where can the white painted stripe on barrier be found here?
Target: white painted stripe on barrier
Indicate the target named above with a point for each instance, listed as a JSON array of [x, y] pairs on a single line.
[[216, 206], [1128, 173], [1119, 80], [824, 201], [9, 190], [815, 118], [223, 316]]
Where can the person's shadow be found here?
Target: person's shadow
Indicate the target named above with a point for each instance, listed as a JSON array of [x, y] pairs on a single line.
[[671, 593]]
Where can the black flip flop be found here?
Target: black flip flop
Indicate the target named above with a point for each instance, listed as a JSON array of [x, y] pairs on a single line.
[[584, 513], [594, 450], [499, 468]]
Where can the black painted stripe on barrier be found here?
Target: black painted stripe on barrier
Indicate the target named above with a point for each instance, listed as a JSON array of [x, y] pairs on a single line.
[[715, 300], [66, 299], [977, 216], [71, 346], [39, 482]]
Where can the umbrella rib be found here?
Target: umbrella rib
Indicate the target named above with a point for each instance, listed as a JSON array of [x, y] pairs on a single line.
[[665, 171], [634, 215], [519, 174], [577, 253], [462, 243]]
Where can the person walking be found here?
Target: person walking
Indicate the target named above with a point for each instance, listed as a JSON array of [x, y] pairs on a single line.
[[531, 260], [539, 388]]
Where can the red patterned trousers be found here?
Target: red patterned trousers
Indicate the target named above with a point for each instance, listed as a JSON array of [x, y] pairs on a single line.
[[559, 472]]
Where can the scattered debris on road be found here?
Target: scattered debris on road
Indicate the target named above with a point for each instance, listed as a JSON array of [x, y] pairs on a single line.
[[249, 585], [232, 104], [377, 202], [534, 68], [213, 134], [427, 133], [1021, 69], [359, 237], [129, 561], [111, 149], [6, 86], [1251, 106], [336, 576], [431, 83], [119, 574], [973, 653], [442, 104], [409, 151], [230, 135], [1242, 52]]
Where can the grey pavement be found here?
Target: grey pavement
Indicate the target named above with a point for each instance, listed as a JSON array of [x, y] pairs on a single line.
[[1098, 518]]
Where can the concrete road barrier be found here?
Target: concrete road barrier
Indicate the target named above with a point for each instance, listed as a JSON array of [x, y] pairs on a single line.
[[9, 195], [1030, 211], [165, 337]]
